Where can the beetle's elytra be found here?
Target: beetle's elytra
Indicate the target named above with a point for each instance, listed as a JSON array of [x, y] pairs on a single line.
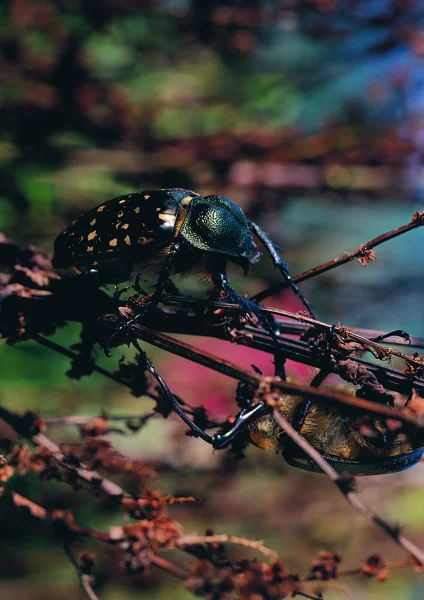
[[135, 232], [167, 231]]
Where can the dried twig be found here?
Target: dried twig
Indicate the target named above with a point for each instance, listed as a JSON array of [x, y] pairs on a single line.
[[345, 484], [232, 370], [98, 483], [78, 420], [363, 251], [225, 538], [348, 333], [86, 580]]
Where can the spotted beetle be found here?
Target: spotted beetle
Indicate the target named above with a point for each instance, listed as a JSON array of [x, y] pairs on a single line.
[[165, 232], [162, 232]]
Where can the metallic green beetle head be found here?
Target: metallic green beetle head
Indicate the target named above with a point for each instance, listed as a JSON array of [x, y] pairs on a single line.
[[216, 224]]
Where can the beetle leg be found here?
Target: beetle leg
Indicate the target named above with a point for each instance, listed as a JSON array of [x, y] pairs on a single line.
[[250, 307], [171, 288], [137, 287], [154, 300], [281, 264], [118, 293], [397, 333], [173, 401], [165, 272], [243, 418]]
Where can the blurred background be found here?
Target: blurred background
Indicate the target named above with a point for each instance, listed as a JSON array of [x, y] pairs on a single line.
[[310, 115]]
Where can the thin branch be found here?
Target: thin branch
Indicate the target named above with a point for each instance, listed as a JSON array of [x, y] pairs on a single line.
[[348, 333], [362, 251], [168, 566], [195, 540], [346, 488], [190, 323], [19, 501], [41, 513], [305, 595], [232, 370], [390, 565], [86, 580], [78, 420], [96, 481], [73, 355], [258, 339]]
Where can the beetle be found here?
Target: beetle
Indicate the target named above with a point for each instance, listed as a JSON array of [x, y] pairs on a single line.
[[335, 433], [164, 232], [332, 430]]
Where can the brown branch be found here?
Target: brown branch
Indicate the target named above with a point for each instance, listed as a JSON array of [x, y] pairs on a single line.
[[78, 420], [232, 370], [261, 340], [19, 501], [96, 481], [390, 565], [362, 251], [286, 326], [226, 538], [348, 333], [85, 580], [168, 566], [73, 355], [305, 595], [346, 487]]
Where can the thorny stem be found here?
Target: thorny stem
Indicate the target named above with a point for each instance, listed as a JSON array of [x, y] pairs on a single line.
[[72, 355], [260, 340], [86, 580], [168, 566], [390, 565], [97, 481], [362, 250], [285, 325], [346, 487], [78, 420], [232, 370], [346, 332], [305, 595], [225, 538]]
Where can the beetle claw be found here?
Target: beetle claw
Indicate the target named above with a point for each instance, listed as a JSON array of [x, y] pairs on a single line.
[[118, 293]]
